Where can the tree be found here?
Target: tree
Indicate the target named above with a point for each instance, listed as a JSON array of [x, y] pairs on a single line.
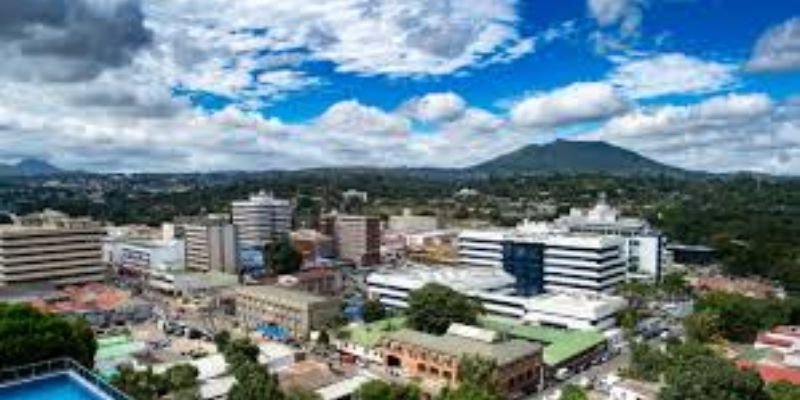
[[573, 392], [301, 394], [674, 285], [178, 382], [380, 390], [254, 382], [283, 257], [783, 391], [222, 339], [467, 391], [182, 377], [240, 352], [478, 371], [373, 311], [433, 307], [712, 377], [740, 318], [647, 362], [28, 336], [702, 326]]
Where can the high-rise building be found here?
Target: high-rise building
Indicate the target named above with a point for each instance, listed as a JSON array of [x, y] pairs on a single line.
[[211, 245], [53, 248], [356, 238], [261, 218]]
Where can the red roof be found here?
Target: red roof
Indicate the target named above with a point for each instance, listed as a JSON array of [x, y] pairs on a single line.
[[773, 373]]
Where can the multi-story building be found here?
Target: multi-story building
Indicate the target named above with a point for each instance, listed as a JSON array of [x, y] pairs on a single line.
[[437, 358], [50, 247], [408, 223], [261, 218], [314, 246], [495, 289], [293, 313], [545, 260], [356, 238], [211, 245], [643, 246]]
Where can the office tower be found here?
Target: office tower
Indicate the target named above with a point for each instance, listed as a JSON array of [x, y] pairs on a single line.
[[211, 245], [356, 238], [261, 218], [50, 247]]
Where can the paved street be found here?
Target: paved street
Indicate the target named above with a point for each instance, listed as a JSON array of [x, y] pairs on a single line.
[[597, 371]]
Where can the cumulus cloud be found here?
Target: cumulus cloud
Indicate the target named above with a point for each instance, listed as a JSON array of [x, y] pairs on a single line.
[[51, 40], [778, 49], [578, 102], [626, 14], [724, 133], [672, 73], [437, 107]]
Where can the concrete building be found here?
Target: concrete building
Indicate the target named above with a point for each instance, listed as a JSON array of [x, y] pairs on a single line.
[[211, 245], [291, 313], [545, 260], [50, 247], [643, 246], [408, 223], [321, 281], [314, 246], [261, 218], [495, 290], [437, 358], [356, 238]]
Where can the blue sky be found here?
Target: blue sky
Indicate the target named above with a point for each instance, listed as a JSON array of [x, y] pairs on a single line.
[[199, 85]]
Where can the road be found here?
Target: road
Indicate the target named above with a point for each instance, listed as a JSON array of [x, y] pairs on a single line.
[[596, 371]]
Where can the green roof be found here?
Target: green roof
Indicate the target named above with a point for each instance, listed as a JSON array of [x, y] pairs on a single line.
[[112, 347], [368, 335], [754, 354], [559, 344], [503, 352]]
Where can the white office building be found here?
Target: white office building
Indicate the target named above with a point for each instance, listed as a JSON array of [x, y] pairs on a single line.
[[261, 218], [643, 246], [494, 289], [565, 262]]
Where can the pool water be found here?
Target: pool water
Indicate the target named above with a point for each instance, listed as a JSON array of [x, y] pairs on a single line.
[[62, 386]]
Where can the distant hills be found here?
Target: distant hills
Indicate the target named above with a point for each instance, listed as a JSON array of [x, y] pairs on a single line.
[[575, 157], [30, 167]]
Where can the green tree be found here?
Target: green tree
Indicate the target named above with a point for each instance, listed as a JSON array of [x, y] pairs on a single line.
[[182, 377], [373, 311], [674, 285], [712, 377], [301, 394], [240, 352], [254, 382], [740, 318], [573, 392], [28, 335], [222, 339], [380, 390], [283, 257], [433, 307], [702, 326], [647, 362], [467, 391], [140, 385], [783, 391], [478, 371]]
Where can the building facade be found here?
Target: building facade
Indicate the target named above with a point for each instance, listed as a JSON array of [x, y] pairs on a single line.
[[211, 244], [51, 248], [546, 260], [437, 358], [294, 312], [407, 223], [356, 238], [261, 218]]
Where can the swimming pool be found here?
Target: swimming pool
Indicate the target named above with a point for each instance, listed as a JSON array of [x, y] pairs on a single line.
[[58, 386]]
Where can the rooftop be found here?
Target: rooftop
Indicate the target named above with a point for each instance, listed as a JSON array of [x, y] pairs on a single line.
[[461, 279], [293, 296], [458, 346], [368, 335], [559, 344]]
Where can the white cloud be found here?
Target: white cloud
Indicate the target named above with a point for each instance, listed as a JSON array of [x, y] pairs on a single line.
[[778, 49], [627, 14], [724, 133], [672, 73], [578, 102], [437, 107]]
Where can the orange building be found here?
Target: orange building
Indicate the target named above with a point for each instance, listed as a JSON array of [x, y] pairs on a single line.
[[436, 359]]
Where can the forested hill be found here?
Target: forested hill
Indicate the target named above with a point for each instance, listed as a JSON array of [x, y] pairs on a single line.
[[574, 157]]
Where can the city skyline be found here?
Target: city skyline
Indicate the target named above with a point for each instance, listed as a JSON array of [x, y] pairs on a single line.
[[206, 85]]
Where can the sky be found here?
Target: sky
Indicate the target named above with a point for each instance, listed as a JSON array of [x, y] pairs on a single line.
[[205, 85]]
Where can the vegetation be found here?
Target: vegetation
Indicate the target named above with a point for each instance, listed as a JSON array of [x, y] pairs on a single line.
[[380, 390], [373, 311], [740, 318], [433, 307], [283, 257], [479, 371], [178, 382], [573, 392], [28, 336], [254, 382], [467, 391], [783, 391]]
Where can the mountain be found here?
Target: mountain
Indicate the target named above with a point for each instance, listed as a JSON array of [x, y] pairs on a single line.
[[575, 157], [29, 167]]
